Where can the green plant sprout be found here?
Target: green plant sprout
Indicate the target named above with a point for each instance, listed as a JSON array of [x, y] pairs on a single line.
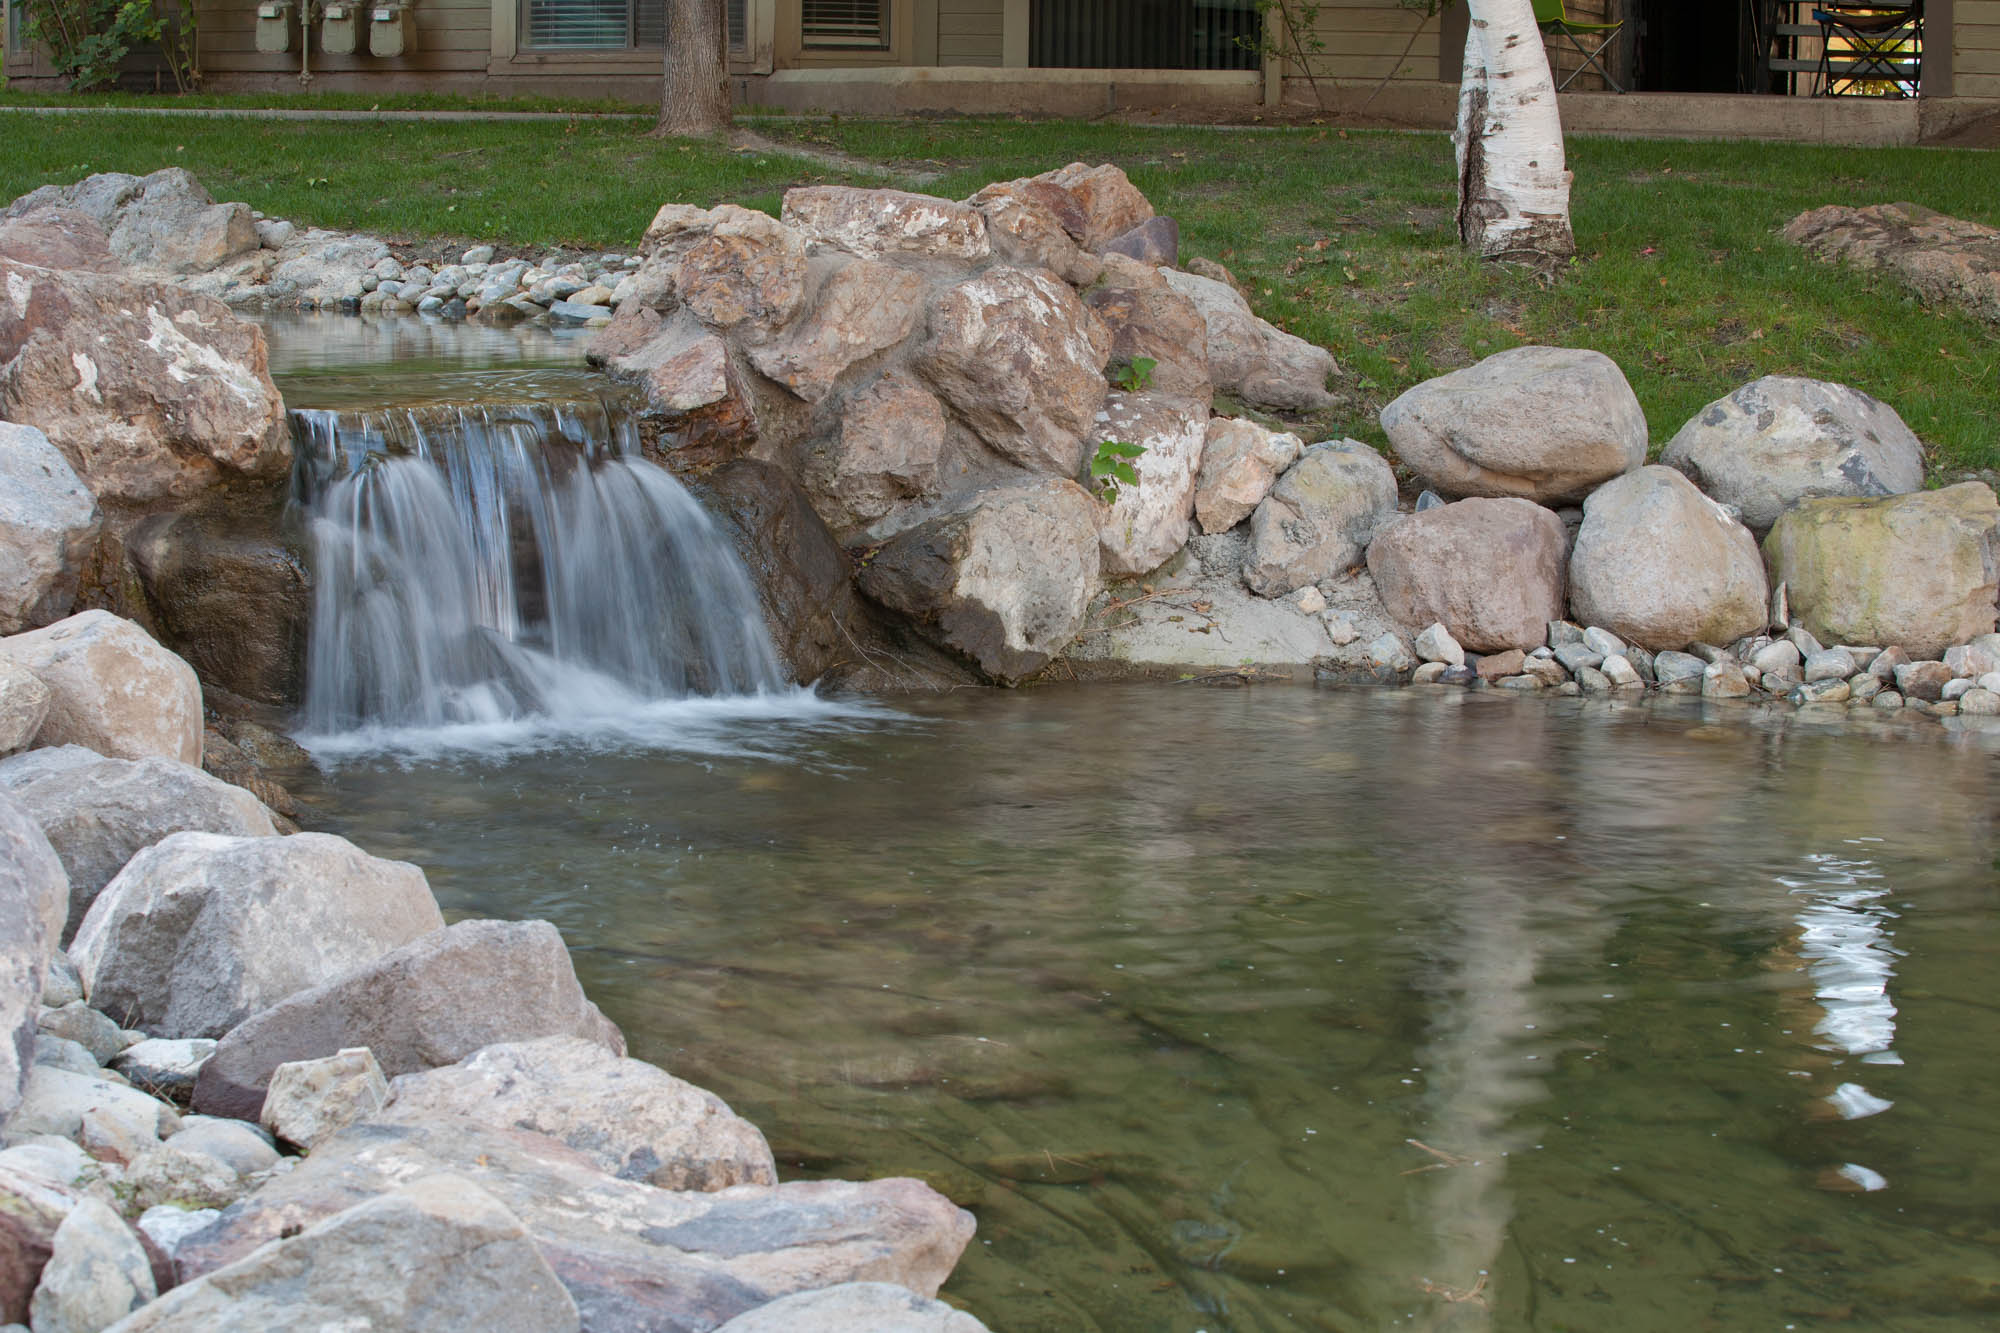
[[1111, 467], [1134, 375]]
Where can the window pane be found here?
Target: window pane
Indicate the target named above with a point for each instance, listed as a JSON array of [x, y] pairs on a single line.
[[579, 23], [848, 24]]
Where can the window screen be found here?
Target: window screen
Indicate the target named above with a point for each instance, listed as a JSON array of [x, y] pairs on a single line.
[[598, 24], [739, 24], [846, 24]]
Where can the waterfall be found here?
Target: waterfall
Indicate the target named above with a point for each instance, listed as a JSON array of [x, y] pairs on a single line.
[[486, 564]]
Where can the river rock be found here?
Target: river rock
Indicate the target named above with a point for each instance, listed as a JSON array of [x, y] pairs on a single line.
[[1110, 203], [97, 1273], [633, 1257], [229, 591], [24, 705], [1923, 680], [56, 237], [201, 931], [1544, 423], [1147, 523], [438, 1254], [311, 1100], [874, 223], [112, 689], [87, 1027], [1240, 462], [149, 392], [635, 1121], [48, 524], [34, 895], [1002, 580], [1919, 570], [99, 815], [1319, 518], [1036, 224], [1151, 322], [1491, 571], [1021, 361], [855, 1307], [880, 456], [862, 308], [1250, 358], [1780, 439], [1662, 565], [165, 222], [430, 1003]]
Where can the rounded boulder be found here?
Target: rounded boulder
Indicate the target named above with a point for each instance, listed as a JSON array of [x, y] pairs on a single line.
[[1489, 571]]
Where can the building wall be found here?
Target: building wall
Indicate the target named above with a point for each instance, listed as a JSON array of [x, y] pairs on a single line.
[[969, 32], [1975, 48]]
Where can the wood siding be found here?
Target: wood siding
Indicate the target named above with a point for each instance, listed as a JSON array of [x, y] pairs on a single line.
[[1975, 57], [969, 32]]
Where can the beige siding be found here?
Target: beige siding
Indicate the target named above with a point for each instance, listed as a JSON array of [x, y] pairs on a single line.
[[1975, 57], [452, 36], [1362, 39], [969, 32]]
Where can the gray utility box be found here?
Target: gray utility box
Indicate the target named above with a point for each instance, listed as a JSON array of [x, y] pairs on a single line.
[[274, 26], [340, 27], [392, 30]]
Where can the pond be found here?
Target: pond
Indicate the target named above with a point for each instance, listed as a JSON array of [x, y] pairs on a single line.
[[1298, 1008], [1268, 1008]]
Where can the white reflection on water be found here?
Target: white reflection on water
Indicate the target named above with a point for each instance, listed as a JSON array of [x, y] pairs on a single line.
[[1844, 937]]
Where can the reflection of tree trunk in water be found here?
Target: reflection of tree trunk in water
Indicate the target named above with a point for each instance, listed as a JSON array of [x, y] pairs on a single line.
[[1479, 1076]]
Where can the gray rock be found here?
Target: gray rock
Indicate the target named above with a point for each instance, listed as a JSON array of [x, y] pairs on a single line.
[[48, 524], [1829, 664], [1490, 570], [1863, 686], [1780, 656], [24, 705], [1662, 565], [1779, 440], [1388, 652], [1593, 681], [1955, 689], [855, 1307], [1428, 673], [54, 1102], [637, 1122], [34, 893], [1002, 580], [1884, 663], [86, 1027], [51, 1158], [244, 1148], [1544, 423], [165, 222], [1979, 702], [1157, 240], [1240, 462], [1603, 641], [1145, 524], [202, 931], [1578, 656], [1545, 669], [1887, 700], [1670, 667], [1562, 634], [461, 1261], [172, 1173], [62, 1053], [1971, 659], [97, 1273], [112, 689], [99, 815], [62, 985], [1251, 359], [478, 254], [311, 1100], [430, 1003], [1922, 680], [1802, 639], [168, 1224], [1436, 644], [1319, 518], [274, 234], [1724, 680], [632, 1256], [1821, 692], [165, 1067], [570, 312]]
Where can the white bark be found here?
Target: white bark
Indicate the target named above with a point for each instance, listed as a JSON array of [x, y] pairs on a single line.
[[1513, 188]]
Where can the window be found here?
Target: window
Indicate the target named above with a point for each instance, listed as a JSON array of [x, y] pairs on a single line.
[[845, 25], [615, 24], [739, 24]]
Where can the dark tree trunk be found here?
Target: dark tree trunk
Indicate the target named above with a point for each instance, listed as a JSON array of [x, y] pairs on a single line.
[[694, 95]]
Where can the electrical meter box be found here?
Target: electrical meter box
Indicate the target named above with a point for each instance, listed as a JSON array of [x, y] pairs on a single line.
[[340, 27], [274, 26], [392, 30]]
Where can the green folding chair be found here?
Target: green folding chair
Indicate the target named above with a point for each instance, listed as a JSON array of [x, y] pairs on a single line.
[[1591, 40]]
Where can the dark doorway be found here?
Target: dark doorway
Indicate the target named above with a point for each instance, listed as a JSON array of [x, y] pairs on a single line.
[[1694, 46], [1144, 34]]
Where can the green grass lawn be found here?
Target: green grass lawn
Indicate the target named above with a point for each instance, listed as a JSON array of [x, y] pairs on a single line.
[[1346, 239]]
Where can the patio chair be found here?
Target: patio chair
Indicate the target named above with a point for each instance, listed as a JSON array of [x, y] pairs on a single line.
[[1591, 40], [1879, 44]]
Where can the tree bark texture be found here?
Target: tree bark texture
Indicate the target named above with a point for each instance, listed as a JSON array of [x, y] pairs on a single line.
[[694, 93], [1513, 187]]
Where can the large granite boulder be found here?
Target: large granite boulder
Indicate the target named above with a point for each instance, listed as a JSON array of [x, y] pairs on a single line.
[[862, 307], [855, 1307], [1661, 565], [1038, 224], [1489, 571], [34, 893], [1250, 358], [1020, 360], [101, 813], [56, 237], [97, 1273], [432, 1002], [48, 524], [1779, 440], [111, 688], [149, 391], [1544, 423], [746, 275], [201, 931], [1150, 322], [1109, 203], [1001, 580], [1240, 462], [695, 411], [1146, 523], [434, 1254], [635, 1121], [633, 1257], [874, 223], [1319, 517], [1917, 571], [165, 222], [1944, 261], [882, 454]]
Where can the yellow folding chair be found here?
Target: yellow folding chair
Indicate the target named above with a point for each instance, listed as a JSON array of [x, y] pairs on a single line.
[[1591, 40], [1870, 49]]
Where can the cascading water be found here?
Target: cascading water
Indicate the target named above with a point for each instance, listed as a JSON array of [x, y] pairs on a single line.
[[483, 565]]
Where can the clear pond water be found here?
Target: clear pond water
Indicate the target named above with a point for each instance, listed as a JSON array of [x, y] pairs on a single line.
[[1271, 1008]]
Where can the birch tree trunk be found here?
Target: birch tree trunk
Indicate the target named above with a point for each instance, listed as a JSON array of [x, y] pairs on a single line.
[[694, 93], [1513, 189]]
